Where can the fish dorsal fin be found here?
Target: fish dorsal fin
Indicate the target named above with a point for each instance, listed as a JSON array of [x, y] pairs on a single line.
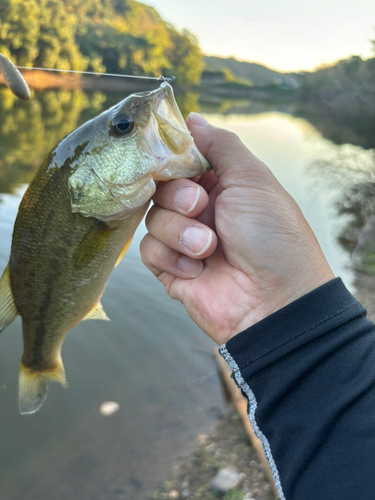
[[8, 309], [92, 244], [97, 313], [124, 250]]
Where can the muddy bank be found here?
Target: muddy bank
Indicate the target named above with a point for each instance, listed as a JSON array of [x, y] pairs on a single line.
[[226, 446]]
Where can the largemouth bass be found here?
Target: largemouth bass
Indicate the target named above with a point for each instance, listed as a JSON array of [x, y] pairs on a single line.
[[77, 219]]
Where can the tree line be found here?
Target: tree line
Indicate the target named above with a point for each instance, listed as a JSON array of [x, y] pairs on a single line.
[[116, 36]]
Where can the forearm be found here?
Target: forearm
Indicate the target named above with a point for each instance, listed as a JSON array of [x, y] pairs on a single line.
[[308, 371]]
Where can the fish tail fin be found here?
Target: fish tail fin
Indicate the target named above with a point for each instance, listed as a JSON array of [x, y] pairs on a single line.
[[33, 386]]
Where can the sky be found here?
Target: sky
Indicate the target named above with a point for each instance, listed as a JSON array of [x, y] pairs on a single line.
[[288, 35]]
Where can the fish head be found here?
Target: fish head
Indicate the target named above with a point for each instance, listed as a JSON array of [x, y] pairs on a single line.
[[119, 156]]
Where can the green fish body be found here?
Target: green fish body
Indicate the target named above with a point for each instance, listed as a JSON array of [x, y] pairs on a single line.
[[77, 219]]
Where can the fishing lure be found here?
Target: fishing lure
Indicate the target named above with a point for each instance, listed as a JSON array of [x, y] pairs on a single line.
[[13, 79]]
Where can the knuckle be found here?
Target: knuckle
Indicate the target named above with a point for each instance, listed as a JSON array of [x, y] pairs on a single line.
[[152, 250], [224, 136], [158, 250], [144, 243], [152, 216], [164, 226], [149, 217], [162, 192], [223, 141], [170, 195], [144, 248]]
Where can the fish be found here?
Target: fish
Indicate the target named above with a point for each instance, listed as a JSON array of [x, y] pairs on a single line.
[[76, 220], [13, 79]]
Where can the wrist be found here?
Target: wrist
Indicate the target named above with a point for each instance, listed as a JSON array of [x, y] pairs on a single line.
[[280, 297]]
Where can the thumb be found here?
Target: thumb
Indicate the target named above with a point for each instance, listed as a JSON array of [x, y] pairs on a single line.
[[232, 162]]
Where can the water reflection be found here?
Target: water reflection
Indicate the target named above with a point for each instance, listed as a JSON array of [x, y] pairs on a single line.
[[358, 128], [352, 173], [28, 130]]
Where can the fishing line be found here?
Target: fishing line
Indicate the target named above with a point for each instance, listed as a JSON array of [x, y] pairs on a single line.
[[160, 78]]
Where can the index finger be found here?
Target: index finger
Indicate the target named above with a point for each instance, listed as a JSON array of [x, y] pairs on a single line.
[[183, 196]]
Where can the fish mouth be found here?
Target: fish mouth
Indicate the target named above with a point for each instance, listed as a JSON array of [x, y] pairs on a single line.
[[165, 108], [173, 147], [171, 124]]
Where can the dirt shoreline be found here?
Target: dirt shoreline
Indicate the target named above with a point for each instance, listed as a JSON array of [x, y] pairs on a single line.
[[364, 285], [227, 445]]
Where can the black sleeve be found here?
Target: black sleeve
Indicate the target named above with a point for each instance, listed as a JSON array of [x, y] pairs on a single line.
[[308, 371]]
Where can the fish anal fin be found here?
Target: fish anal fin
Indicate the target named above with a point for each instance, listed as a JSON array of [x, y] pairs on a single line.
[[124, 250], [97, 312], [92, 244], [8, 309], [32, 391]]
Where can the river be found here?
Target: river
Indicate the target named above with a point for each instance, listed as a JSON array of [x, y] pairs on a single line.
[[151, 358]]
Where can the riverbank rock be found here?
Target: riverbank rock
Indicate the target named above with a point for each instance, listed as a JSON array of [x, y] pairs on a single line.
[[109, 408], [226, 479]]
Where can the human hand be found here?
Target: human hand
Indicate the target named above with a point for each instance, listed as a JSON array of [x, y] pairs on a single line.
[[233, 247]]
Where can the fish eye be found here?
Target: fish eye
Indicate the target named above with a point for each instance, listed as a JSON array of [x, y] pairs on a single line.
[[122, 125]]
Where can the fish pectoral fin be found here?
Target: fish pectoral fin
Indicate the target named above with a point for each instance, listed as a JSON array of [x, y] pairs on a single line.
[[92, 244], [97, 313], [124, 250], [8, 309], [32, 391]]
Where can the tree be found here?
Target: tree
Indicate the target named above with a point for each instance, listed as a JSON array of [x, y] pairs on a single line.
[[185, 56], [100, 35], [19, 30]]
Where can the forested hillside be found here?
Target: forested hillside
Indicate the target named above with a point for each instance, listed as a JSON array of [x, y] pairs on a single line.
[[340, 101], [343, 77], [97, 35], [254, 73], [346, 82]]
